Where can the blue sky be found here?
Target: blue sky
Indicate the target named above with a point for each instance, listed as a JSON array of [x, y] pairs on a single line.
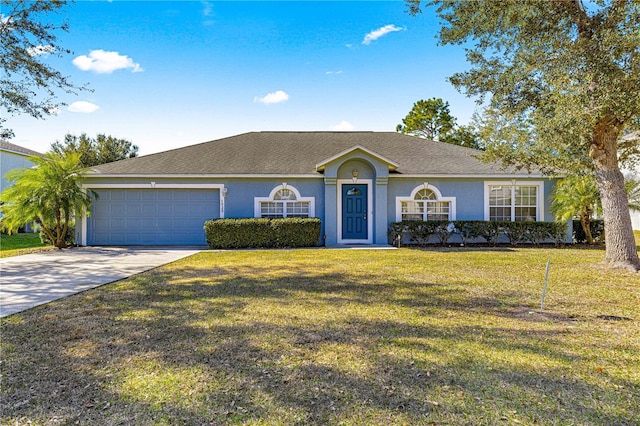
[[170, 74]]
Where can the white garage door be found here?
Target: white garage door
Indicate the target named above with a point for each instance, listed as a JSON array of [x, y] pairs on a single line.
[[151, 216]]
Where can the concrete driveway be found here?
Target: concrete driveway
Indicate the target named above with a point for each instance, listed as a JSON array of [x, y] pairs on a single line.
[[33, 279]]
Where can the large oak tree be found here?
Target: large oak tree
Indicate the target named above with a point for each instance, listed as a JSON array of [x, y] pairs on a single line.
[[28, 36], [569, 70]]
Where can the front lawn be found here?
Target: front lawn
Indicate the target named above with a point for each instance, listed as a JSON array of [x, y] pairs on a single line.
[[443, 336], [13, 245]]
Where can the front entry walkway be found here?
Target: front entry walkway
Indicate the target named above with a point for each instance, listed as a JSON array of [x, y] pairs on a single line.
[[34, 279]]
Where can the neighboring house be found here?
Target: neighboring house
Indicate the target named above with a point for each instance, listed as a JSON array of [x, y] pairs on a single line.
[[13, 157], [635, 219], [355, 182]]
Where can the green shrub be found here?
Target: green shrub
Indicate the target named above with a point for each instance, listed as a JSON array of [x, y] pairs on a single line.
[[69, 239], [518, 232], [262, 233], [421, 232], [296, 232], [535, 232], [597, 231], [469, 230], [491, 231]]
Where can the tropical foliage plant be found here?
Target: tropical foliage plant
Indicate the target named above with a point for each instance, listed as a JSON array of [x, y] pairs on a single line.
[[49, 194]]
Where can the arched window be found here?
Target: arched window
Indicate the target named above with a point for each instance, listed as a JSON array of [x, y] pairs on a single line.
[[284, 201], [425, 203]]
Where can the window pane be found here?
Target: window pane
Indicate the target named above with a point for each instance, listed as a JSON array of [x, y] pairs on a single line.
[[271, 209], [526, 196], [438, 210], [525, 214], [499, 196], [526, 203], [425, 194], [298, 209], [500, 213], [284, 194], [412, 207], [412, 216]]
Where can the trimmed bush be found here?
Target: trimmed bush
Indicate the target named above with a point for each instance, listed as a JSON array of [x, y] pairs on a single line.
[[69, 239], [597, 231], [262, 233], [296, 232], [469, 231]]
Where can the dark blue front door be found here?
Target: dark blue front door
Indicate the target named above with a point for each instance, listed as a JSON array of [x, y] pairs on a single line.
[[354, 212]]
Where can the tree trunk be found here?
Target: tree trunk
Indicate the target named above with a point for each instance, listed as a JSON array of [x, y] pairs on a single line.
[[585, 221], [620, 244]]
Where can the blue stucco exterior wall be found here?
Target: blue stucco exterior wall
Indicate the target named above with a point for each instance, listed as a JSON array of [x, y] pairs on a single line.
[[11, 161], [238, 194]]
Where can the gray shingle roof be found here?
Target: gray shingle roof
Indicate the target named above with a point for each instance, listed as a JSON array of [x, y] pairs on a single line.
[[297, 153], [8, 146]]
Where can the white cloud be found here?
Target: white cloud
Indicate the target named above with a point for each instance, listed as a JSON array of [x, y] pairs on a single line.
[[5, 21], [382, 31], [41, 50], [207, 8], [272, 98], [343, 126], [333, 72], [83, 106], [207, 13], [103, 62]]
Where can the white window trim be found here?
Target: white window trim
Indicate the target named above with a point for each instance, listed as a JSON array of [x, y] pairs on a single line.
[[513, 183], [439, 197], [369, 183], [257, 201]]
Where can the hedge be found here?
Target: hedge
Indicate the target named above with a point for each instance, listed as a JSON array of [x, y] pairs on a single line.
[[262, 233], [469, 231], [597, 231]]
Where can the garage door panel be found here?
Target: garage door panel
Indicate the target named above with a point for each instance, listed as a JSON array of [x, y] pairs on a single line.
[[147, 210], [181, 196], [151, 216], [165, 223], [165, 210], [117, 209], [133, 209], [165, 195], [116, 195]]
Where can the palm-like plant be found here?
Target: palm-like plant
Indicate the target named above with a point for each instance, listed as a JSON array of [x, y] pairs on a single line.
[[632, 185], [577, 196], [49, 194]]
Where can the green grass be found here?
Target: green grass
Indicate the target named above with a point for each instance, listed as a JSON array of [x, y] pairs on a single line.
[[443, 336], [16, 244]]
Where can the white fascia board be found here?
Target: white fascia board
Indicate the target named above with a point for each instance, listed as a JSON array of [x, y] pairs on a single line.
[[463, 176], [153, 185], [393, 165], [22, 154], [204, 176]]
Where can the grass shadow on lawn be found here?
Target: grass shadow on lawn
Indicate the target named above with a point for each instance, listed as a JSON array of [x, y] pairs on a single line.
[[356, 339]]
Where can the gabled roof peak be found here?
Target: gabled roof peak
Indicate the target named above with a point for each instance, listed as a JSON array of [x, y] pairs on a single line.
[[392, 164]]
